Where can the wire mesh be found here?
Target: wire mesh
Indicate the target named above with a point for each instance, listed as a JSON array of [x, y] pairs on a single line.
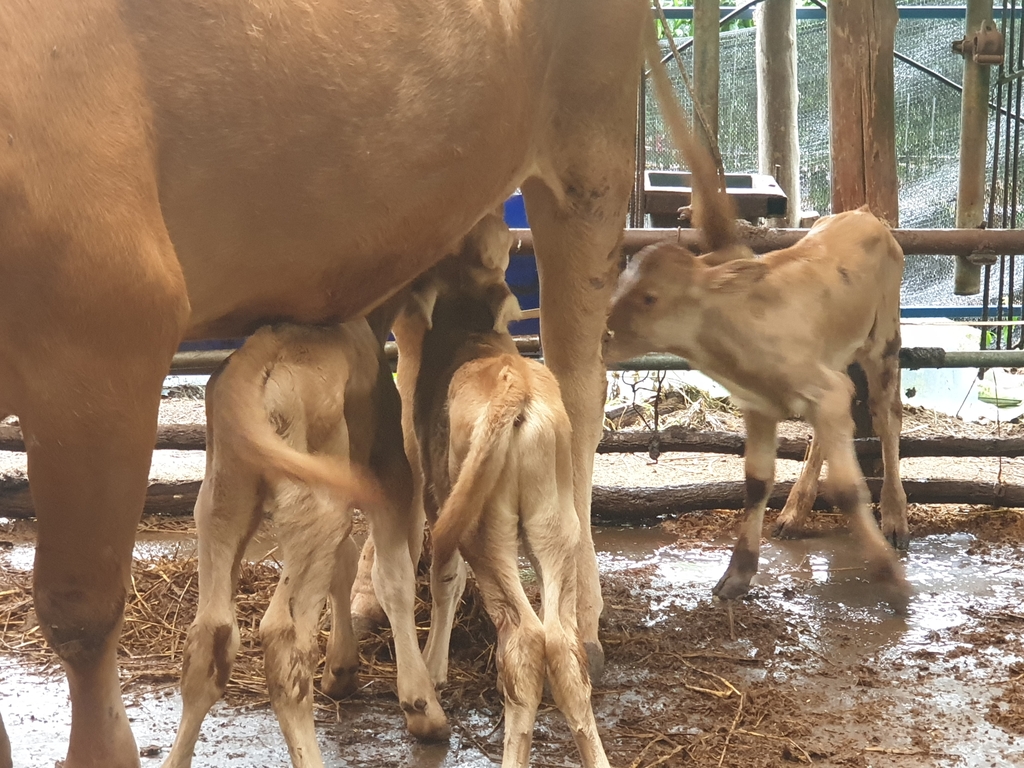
[[1002, 285], [927, 77]]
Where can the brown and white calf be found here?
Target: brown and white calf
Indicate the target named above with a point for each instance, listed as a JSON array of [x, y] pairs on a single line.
[[288, 399], [779, 332], [494, 443]]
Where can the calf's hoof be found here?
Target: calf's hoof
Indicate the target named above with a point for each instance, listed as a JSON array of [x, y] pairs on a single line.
[[892, 584], [340, 682], [426, 720], [595, 660], [364, 625], [732, 585], [898, 537], [786, 528]]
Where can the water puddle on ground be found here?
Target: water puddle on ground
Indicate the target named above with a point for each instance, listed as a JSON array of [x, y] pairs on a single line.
[[829, 675]]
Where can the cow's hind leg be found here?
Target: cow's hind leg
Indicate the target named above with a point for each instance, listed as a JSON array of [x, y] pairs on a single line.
[[310, 529], [227, 512], [882, 368], [759, 463], [577, 245], [341, 666], [833, 426], [91, 343], [802, 497]]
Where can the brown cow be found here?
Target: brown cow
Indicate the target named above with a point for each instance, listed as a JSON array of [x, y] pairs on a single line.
[[493, 440], [198, 168], [316, 390]]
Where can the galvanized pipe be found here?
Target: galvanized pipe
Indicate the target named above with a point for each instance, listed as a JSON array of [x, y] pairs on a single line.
[[953, 242], [970, 199], [206, 362]]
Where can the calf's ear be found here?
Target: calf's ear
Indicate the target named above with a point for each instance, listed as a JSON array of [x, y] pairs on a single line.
[[421, 304], [506, 306]]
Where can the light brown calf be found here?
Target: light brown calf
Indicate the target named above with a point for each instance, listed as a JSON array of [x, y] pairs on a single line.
[[494, 443], [778, 333], [293, 390]]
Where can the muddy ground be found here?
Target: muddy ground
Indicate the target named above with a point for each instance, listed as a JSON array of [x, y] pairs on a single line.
[[809, 668]]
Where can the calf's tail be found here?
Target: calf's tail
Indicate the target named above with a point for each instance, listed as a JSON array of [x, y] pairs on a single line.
[[484, 462], [242, 421]]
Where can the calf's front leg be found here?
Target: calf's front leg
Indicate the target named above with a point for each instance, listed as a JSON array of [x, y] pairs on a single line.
[[759, 460]]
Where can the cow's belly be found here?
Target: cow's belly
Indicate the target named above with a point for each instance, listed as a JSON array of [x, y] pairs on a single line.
[[314, 158]]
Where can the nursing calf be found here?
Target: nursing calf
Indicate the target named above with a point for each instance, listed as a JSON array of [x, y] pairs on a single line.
[[494, 443], [290, 393], [779, 332]]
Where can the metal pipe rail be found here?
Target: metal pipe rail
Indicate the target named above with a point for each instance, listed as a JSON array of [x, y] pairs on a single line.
[[207, 361], [914, 242]]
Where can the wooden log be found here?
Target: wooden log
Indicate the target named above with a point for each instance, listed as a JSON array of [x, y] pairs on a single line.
[[862, 111], [610, 504], [192, 437], [171, 499], [632, 505], [680, 439], [778, 145]]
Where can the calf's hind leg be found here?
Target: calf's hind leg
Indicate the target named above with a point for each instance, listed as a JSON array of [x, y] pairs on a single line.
[[552, 531], [520, 651], [802, 497], [310, 529], [833, 426], [5, 747], [882, 368], [341, 666], [393, 527], [227, 512]]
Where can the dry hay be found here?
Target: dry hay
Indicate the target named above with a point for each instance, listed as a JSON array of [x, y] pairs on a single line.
[[161, 605]]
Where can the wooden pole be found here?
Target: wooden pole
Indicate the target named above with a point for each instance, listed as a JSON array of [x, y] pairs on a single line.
[[970, 199], [862, 115], [862, 112], [705, 66], [778, 144]]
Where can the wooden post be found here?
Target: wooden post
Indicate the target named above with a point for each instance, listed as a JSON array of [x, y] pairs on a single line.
[[862, 115], [862, 110], [778, 144], [705, 66], [970, 199]]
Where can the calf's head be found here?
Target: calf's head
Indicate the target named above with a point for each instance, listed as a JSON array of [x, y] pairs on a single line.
[[468, 288], [657, 300]]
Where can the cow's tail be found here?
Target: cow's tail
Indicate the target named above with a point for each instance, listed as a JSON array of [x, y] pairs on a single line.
[[242, 420], [487, 456], [714, 211]]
